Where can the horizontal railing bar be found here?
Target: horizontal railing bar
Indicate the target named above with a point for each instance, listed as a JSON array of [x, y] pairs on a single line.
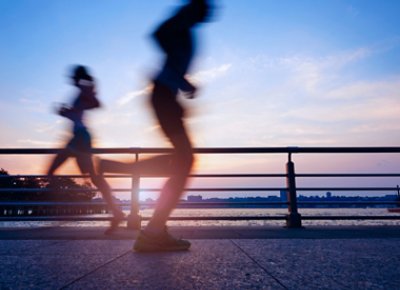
[[213, 150], [391, 217], [225, 218], [281, 188], [211, 203], [209, 218], [65, 176], [228, 175], [143, 189], [249, 175], [195, 204], [364, 217], [347, 174], [346, 188], [28, 190], [88, 218], [217, 189], [221, 189], [144, 204], [52, 218], [58, 203], [347, 202]]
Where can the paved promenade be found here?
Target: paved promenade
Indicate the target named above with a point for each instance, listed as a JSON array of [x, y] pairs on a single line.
[[220, 258]]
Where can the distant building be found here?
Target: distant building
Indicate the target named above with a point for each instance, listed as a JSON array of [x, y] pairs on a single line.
[[328, 194], [283, 195], [194, 198]]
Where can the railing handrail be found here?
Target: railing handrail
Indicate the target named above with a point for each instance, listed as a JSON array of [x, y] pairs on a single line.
[[215, 175], [214, 150], [189, 203]]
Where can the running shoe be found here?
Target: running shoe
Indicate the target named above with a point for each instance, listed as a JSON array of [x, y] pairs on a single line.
[[114, 223], [163, 242]]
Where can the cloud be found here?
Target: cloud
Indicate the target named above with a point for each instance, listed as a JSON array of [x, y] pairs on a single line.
[[132, 95], [200, 76], [361, 100], [35, 142], [112, 118], [48, 128], [305, 101], [367, 89], [212, 73], [32, 100], [33, 105], [299, 62], [311, 72], [304, 72]]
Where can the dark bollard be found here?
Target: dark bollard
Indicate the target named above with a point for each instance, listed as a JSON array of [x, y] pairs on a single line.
[[293, 219]]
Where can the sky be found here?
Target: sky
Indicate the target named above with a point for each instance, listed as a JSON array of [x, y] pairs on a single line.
[[270, 73]]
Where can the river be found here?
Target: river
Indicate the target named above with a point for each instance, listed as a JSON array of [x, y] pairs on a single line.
[[228, 212]]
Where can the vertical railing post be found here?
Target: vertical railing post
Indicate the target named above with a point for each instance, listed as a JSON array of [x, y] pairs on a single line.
[[134, 218], [293, 219]]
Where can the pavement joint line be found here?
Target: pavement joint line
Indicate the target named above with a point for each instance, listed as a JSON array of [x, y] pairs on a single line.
[[259, 265], [95, 269]]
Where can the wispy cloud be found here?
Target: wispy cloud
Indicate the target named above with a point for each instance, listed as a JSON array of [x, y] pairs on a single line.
[[300, 62], [200, 76], [380, 90], [132, 95], [35, 142], [212, 73], [33, 105], [304, 100], [48, 127], [312, 72]]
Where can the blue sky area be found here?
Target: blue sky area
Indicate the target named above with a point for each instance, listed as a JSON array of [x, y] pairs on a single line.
[[271, 73]]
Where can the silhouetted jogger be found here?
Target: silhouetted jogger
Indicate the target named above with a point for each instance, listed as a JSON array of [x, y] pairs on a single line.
[[176, 39], [80, 144]]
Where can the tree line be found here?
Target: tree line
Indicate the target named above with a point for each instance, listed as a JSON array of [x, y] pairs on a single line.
[[43, 188]]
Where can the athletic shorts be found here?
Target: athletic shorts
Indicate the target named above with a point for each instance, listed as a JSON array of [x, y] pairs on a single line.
[[80, 145]]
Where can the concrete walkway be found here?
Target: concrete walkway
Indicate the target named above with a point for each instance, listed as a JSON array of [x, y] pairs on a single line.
[[220, 258]]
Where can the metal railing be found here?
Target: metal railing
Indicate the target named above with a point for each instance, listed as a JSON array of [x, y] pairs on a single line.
[[293, 217]]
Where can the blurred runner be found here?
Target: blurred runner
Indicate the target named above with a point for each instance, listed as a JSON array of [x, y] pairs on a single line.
[[175, 38], [80, 144]]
